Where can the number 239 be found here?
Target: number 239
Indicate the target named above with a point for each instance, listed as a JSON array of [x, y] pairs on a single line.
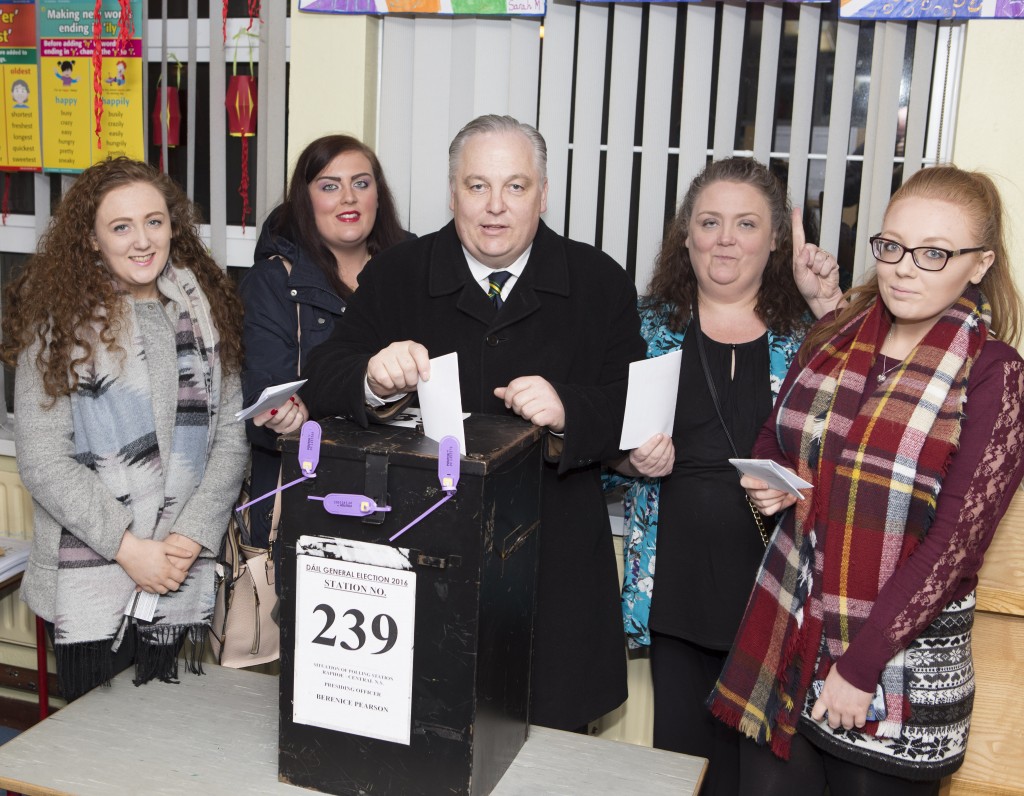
[[382, 626]]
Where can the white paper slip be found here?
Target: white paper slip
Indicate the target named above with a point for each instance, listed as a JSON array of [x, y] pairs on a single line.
[[773, 474], [441, 401], [142, 605], [271, 398], [650, 399]]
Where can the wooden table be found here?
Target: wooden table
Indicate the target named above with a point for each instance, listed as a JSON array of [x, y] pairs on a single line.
[[217, 734]]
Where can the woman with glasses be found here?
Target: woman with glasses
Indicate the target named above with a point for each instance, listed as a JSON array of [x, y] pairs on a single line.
[[906, 412]]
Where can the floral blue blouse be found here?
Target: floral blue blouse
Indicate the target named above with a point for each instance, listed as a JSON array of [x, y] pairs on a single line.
[[640, 503]]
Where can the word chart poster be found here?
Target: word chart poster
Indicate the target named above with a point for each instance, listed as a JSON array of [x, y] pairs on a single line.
[[19, 136], [903, 10], [530, 8], [67, 85]]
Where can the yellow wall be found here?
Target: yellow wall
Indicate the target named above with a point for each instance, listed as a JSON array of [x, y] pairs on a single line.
[[333, 82], [990, 118]]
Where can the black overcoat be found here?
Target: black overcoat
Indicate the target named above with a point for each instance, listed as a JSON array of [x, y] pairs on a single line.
[[571, 318]]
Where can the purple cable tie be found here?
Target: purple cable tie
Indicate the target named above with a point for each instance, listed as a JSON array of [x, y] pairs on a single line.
[[445, 499], [275, 491]]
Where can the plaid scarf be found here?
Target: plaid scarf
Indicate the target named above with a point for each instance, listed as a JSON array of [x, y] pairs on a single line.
[[115, 436], [877, 469]]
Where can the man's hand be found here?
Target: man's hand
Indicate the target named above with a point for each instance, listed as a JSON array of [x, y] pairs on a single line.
[[148, 563], [397, 368], [285, 419], [534, 399], [815, 270]]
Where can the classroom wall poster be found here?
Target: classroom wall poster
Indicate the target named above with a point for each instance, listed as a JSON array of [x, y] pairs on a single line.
[[931, 9], [19, 138], [66, 86], [526, 8]]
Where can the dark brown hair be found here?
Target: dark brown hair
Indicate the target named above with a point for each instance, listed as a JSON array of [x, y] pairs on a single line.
[[296, 221], [779, 303], [65, 301], [977, 196]]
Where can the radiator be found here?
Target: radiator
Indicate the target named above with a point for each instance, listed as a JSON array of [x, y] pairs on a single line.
[[17, 623]]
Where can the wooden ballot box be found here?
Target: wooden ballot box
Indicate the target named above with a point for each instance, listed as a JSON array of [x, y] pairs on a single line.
[[405, 665]]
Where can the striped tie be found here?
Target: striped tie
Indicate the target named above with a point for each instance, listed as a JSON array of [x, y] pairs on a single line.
[[495, 283]]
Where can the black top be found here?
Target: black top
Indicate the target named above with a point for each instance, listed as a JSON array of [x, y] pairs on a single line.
[[709, 547]]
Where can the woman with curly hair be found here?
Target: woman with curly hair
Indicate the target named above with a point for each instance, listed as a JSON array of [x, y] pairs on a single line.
[[731, 288], [127, 340], [338, 213]]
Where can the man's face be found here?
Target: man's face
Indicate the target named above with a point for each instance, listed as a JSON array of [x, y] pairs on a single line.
[[497, 197]]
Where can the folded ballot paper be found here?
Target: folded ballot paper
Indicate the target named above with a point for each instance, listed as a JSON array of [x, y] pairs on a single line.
[[271, 398], [773, 474]]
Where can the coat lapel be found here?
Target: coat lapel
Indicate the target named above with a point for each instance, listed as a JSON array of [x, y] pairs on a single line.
[[546, 272]]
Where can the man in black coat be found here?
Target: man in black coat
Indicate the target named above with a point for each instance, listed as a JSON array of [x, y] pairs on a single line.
[[554, 349]]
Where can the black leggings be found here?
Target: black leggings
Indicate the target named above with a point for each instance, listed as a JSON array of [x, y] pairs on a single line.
[[809, 770], [683, 675]]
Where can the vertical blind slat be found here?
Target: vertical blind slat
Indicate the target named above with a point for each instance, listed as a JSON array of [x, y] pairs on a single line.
[[431, 78], [190, 99], [844, 78], [586, 144], [556, 103], [524, 69], [695, 117], [920, 86], [767, 76], [803, 100], [729, 63], [218, 144], [661, 40], [622, 93], [395, 108]]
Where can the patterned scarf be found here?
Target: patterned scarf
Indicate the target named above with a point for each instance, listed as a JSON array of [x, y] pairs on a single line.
[[115, 436], [877, 470]]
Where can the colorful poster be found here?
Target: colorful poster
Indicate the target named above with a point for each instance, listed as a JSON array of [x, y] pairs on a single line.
[[524, 8], [67, 93], [931, 9], [19, 138]]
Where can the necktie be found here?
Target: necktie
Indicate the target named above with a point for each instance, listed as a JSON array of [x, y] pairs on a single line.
[[495, 283]]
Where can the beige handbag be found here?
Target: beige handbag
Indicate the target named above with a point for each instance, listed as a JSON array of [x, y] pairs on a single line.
[[244, 631]]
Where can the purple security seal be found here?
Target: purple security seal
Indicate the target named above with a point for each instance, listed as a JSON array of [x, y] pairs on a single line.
[[349, 505]]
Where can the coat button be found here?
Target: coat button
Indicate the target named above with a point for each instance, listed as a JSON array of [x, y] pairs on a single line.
[[321, 320], [492, 340], [295, 292]]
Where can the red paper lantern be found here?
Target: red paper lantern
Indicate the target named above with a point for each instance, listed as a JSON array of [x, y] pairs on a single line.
[[171, 120], [241, 104]]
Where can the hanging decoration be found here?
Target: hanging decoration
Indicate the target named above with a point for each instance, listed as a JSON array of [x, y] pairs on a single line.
[[167, 112], [241, 105], [97, 70], [254, 15]]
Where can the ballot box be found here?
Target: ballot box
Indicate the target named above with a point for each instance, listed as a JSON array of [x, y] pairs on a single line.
[[405, 664]]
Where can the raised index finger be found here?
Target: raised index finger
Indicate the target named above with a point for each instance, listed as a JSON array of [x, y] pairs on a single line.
[[799, 239]]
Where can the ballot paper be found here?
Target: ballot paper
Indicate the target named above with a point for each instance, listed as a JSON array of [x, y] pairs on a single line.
[[441, 401], [773, 474], [650, 399], [271, 398]]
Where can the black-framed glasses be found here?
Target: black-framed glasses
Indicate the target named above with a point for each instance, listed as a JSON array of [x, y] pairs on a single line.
[[927, 258]]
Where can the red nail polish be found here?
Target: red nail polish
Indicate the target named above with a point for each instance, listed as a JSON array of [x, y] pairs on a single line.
[[292, 399], [273, 412]]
